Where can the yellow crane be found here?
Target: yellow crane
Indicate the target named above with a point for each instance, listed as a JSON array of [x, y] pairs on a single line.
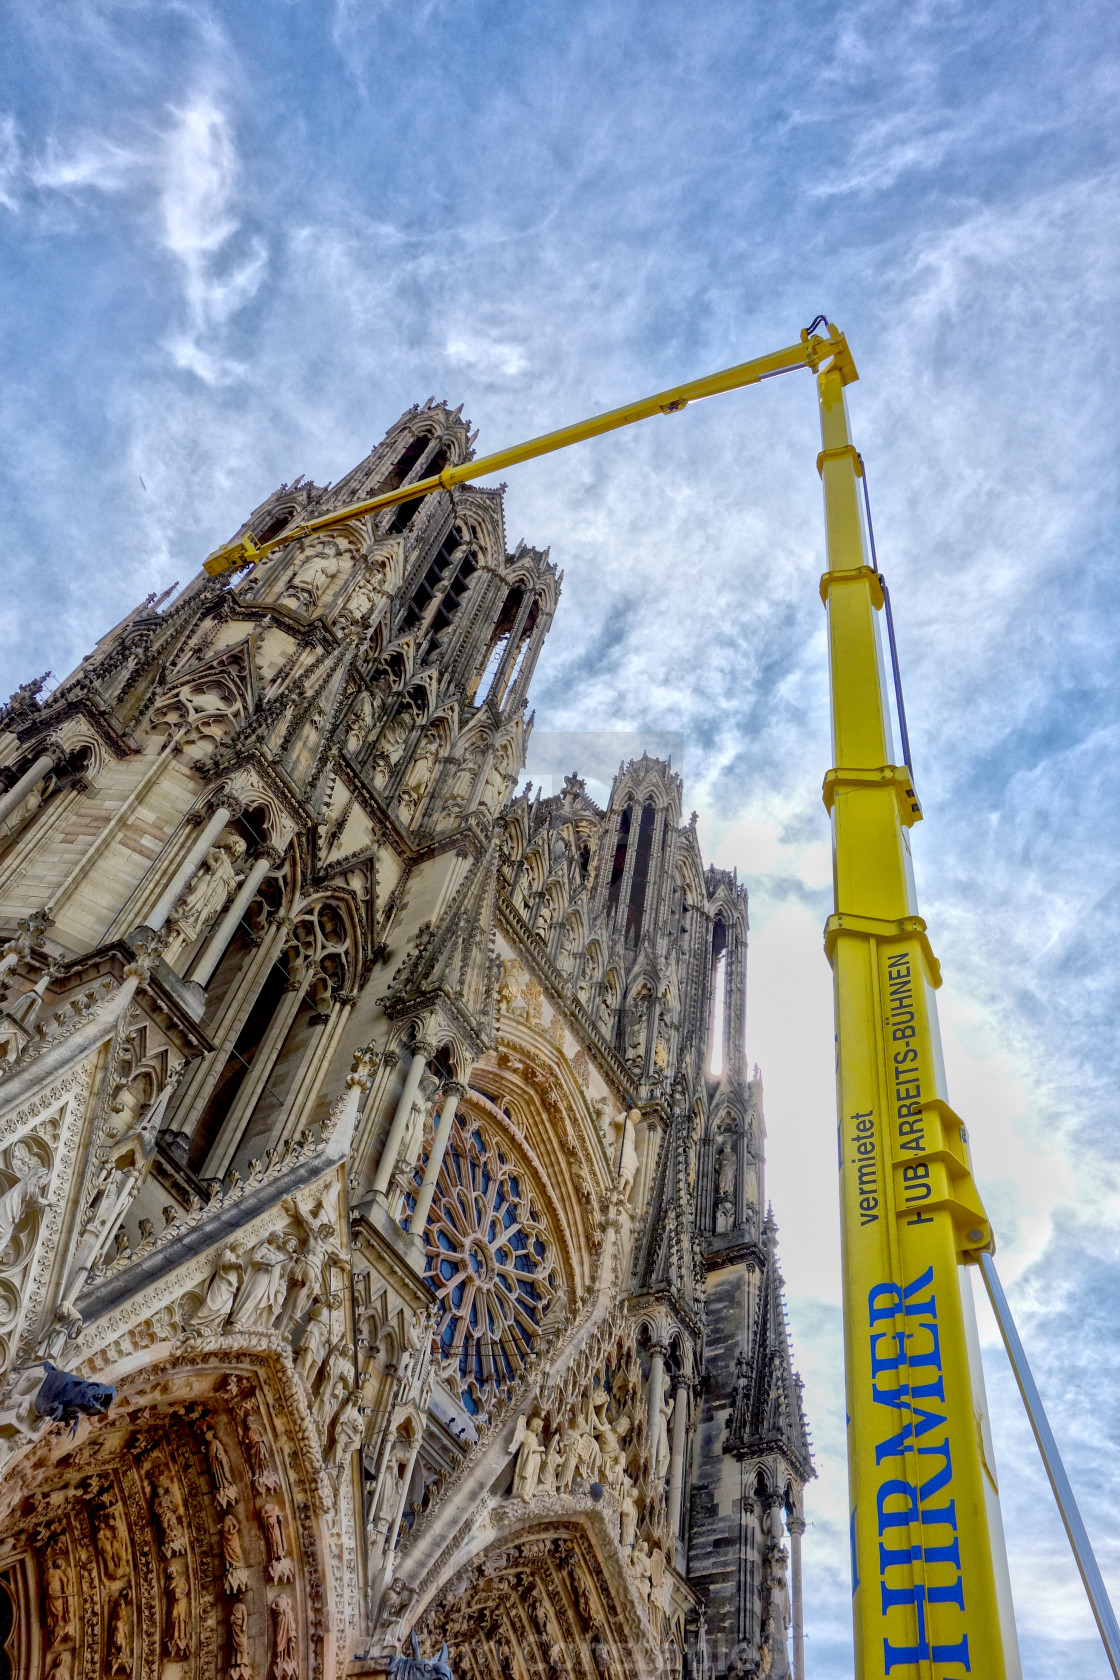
[[931, 1595]]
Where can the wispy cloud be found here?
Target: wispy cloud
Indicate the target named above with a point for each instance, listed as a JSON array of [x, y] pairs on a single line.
[[240, 250]]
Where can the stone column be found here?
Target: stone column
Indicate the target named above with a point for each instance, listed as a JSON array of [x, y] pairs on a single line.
[[186, 869], [796, 1527], [653, 1398], [676, 1459], [453, 1092], [421, 1050], [42, 766], [227, 927]]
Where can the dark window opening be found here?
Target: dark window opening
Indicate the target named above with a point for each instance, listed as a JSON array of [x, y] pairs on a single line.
[[406, 511], [525, 644], [640, 879], [619, 864], [232, 1076], [273, 525], [453, 594], [499, 641], [426, 590], [719, 997], [404, 463]]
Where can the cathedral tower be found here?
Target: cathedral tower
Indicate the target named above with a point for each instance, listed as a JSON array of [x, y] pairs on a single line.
[[379, 1170]]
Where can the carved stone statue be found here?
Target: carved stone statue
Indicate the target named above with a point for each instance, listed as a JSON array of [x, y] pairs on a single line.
[[280, 1565], [168, 1515], [60, 1599], [349, 1426], [530, 1451], [177, 1627], [26, 1193], [311, 581], [640, 1564], [220, 1292], [206, 895], [550, 1464], [121, 1634], [261, 1295], [284, 1662], [309, 1267], [664, 1412], [418, 776], [570, 1438], [265, 1479], [111, 1544], [236, 1580], [221, 1471], [627, 1514], [239, 1643], [315, 1340]]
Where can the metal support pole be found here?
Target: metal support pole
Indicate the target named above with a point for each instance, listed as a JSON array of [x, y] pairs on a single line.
[[1095, 1591]]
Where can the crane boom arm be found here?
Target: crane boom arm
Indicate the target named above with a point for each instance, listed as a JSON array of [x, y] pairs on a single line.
[[808, 352]]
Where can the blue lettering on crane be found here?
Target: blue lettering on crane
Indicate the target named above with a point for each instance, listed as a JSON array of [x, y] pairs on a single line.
[[907, 1379]]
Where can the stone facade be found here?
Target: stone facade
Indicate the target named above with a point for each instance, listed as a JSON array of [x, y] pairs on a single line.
[[356, 1126]]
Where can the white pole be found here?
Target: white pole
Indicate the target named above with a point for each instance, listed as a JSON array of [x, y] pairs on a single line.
[[1095, 1590]]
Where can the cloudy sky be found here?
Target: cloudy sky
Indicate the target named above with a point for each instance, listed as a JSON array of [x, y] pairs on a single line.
[[240, 240]]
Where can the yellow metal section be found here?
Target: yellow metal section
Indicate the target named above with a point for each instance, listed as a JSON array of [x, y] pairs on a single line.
[[810, 351], [928, 1568]]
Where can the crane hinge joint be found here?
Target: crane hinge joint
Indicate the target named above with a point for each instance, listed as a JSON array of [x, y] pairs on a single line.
[[854, 574], [948, 1163], [845, 451], [895, 776], [843, 924]]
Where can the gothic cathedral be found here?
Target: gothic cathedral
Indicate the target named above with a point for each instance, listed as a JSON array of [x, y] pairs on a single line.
[[387, 1285]]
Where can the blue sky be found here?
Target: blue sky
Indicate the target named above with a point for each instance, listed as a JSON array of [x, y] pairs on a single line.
[[239, 241]]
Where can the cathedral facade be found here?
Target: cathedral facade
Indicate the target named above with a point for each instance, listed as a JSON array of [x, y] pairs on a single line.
[[386, 1279]]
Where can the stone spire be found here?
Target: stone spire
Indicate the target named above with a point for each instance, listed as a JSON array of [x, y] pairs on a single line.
[[767, 1415]]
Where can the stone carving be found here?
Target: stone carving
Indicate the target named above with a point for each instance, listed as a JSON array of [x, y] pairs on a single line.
[[58, 1583], [177, 1622], [280, 1565], [220, 1292], [264, 1477], [121, 1634], [27, 1193], [284, 1663], [221, 1471], [349, 1427], [529, 1447], [112, 1545], [664, 1413], [312, 580], [235, 1577], [240, 1667], [168, 1514], [206, 895], [316, 1340], [261, 1295], [309, 1266]]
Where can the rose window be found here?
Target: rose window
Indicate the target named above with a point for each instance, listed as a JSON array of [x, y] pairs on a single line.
[[490, 1259]]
